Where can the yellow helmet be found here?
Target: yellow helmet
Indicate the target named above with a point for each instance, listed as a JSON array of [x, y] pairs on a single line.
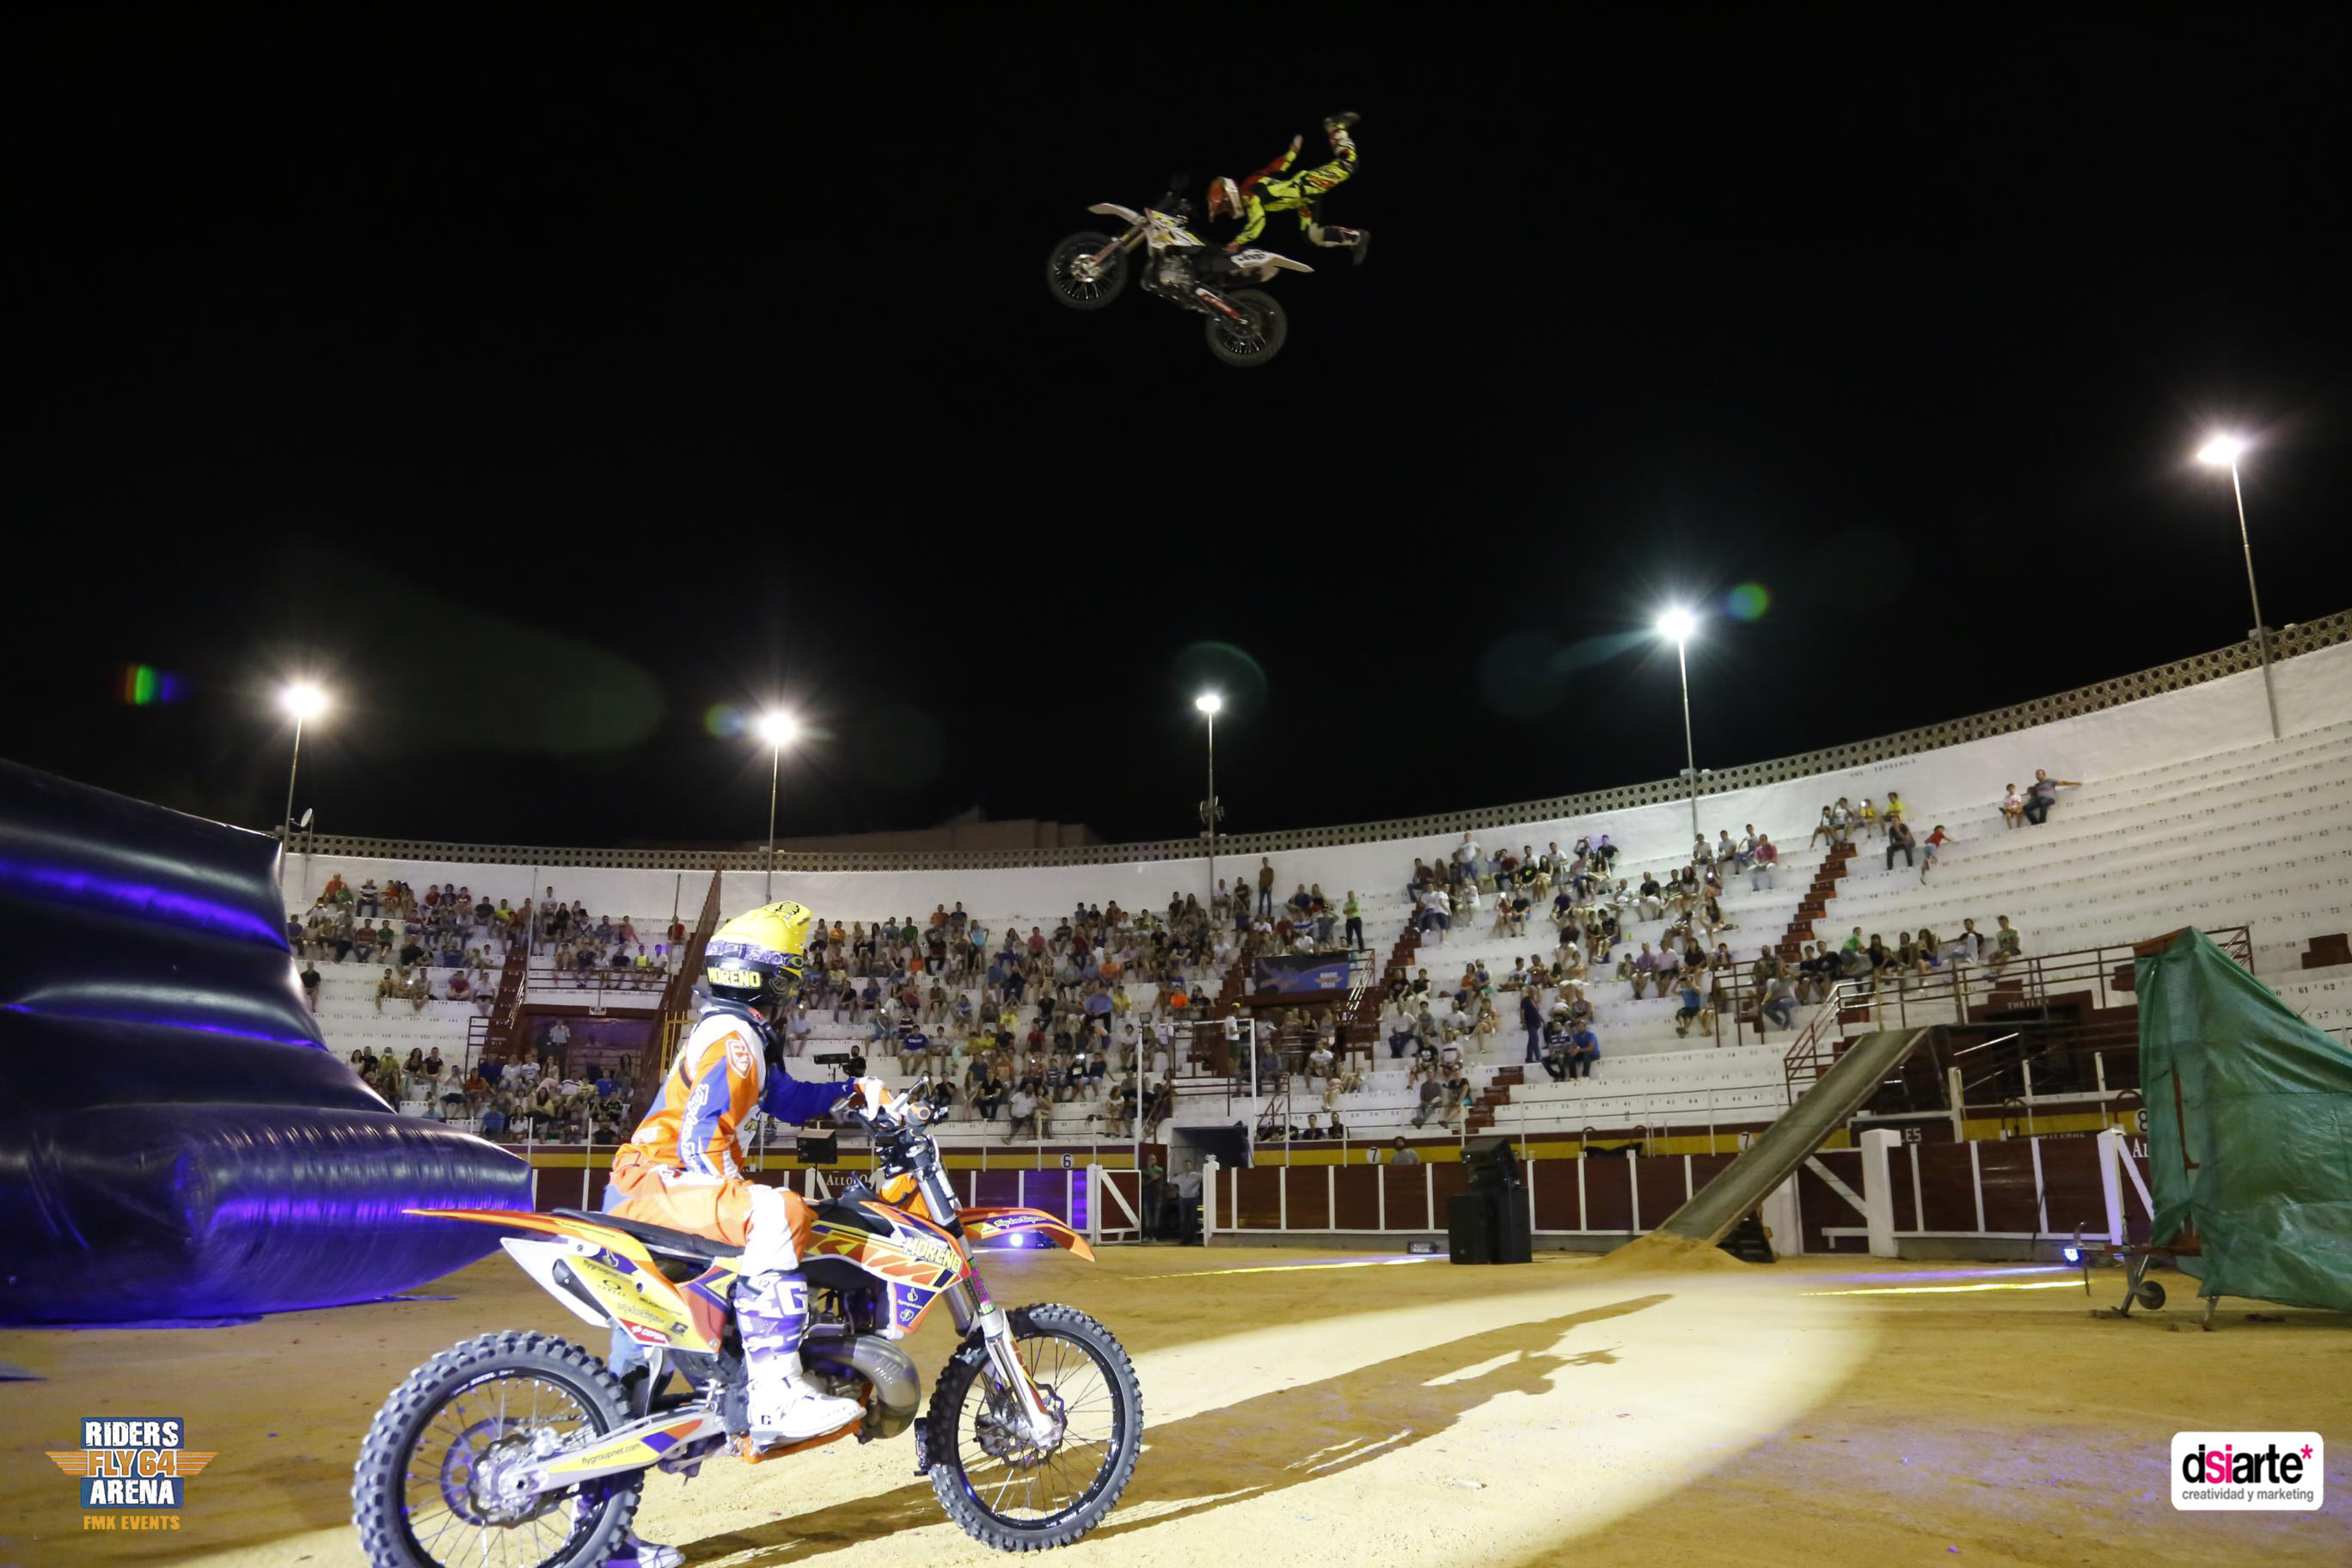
[[758, 957]]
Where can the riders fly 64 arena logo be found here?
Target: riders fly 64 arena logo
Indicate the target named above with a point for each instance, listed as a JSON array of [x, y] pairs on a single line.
[[130, 1468], [2249, 1471]]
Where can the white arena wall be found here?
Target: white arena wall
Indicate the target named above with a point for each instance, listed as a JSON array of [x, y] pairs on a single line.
[[2199, 717]]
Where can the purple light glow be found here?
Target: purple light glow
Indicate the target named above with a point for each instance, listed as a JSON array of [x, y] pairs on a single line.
[[164, 1024], [139, 898]]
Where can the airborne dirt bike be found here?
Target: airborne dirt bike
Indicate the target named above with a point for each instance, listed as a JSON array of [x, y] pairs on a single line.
[[1246, 326], [522, 1447]]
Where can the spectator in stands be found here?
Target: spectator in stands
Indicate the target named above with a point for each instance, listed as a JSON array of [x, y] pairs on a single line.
[[1264, 887], [1158, 1109], [1693, 1003], [1826, 831], [1433, 1094], [1400, 1155], [1021, 1112], [2007, 948], [1557, 1035], [2013, 807], [420, 990], [310, 986], [1898, 837], [1778, 1005], [1354, 912], [1932, 844], [1763, 873], [1458, 1097], [1652, 905], [1651, 969], [2044, 795], [1531, 1019], [1583, 1050], [1868, 815]]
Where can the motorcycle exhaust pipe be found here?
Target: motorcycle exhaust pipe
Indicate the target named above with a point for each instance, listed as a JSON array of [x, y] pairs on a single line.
[[897, 1393]]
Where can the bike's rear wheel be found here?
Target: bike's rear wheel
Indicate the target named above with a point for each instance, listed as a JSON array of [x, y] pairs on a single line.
[[417, 1492], [1256, 339], [990, 1480], [1077, 279]]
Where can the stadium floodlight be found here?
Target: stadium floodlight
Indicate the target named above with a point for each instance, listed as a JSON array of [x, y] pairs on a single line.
[[1210, 704], [1678, 624], [2222, 451], [306, 702], [777, 728]]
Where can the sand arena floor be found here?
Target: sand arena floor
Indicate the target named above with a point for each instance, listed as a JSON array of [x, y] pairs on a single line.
[[1405, 1413]]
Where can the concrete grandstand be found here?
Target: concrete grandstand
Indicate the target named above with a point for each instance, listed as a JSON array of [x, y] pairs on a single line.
[[2189, 814]]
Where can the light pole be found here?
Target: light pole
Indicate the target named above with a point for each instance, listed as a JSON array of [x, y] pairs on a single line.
[[1678, 624], [2223, 451], [1209, 702], [777, 730], [305, 701]]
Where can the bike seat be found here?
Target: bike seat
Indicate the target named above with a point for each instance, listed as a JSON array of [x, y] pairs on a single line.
[[657, 1236]]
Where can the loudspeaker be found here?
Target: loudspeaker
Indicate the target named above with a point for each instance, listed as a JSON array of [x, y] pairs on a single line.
[[1513, 1242], [1470, 1229], [1493, 1164]]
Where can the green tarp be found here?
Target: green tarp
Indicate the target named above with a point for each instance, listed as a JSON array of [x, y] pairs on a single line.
[[2250, 1130]]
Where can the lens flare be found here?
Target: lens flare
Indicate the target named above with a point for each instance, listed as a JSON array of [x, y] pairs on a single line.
[[1747, 602], [728, 720], [143, 686]]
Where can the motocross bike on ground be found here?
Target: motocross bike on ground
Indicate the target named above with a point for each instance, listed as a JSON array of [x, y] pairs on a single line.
[[1246, 326], [524, 1448]]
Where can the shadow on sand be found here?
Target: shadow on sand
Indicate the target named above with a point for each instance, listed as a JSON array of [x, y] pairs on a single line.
[[1263, 1445]]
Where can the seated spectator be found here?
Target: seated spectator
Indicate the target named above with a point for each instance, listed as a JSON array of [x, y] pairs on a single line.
[[2007, 947], [1779, 1005], [2043, 795], [1583, 1050], [2013, 807], [1763, 873], [1898, 837], [1432, 1095]]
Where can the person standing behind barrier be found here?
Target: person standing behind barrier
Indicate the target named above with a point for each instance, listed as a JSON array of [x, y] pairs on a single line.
[[1154, 1199], [1402, 1155], [1355, 913], [1188, 1205]]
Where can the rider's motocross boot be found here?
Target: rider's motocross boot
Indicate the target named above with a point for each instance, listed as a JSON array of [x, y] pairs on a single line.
[[1337, 125], [771, 1313]]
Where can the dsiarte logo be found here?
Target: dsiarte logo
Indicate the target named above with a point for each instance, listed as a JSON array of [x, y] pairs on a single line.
[[2249, 1471]]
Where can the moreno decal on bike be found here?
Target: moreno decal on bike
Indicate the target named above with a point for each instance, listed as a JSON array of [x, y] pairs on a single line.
[[517, 1447]]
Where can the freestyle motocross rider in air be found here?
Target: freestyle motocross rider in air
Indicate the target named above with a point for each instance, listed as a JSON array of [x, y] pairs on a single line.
[[1269, 190], [679, 1169]]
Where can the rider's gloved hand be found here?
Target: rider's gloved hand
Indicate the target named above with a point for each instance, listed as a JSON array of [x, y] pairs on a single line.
[[873, 1092]]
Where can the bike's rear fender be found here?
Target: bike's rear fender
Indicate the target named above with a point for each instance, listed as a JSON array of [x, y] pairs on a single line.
[[1112, 209], [1011, 1227]]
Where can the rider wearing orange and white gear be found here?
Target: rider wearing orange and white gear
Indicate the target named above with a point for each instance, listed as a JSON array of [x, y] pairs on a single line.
[[680, 1168]]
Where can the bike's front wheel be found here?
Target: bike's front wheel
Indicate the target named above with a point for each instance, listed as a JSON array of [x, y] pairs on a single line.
[[1257, 337], [1086, 271], [991, 1477], [425, 1493]]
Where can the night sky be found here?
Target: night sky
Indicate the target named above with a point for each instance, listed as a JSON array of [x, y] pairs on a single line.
[[541, 384]]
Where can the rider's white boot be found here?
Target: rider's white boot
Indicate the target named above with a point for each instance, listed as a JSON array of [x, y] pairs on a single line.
[[771, 1313]]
